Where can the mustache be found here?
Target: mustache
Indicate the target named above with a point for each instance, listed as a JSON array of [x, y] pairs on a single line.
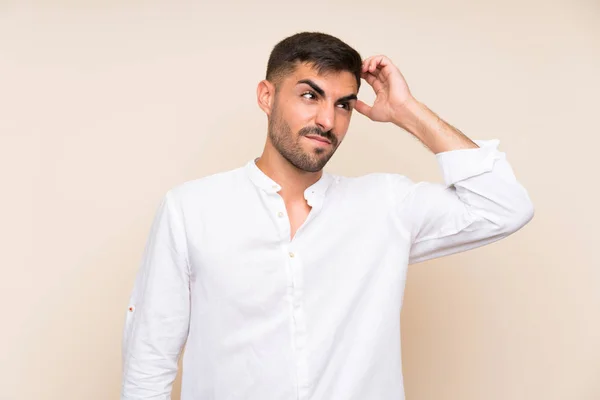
[[313, 130]]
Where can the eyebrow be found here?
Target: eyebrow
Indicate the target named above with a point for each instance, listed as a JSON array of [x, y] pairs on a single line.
[[321, 92]]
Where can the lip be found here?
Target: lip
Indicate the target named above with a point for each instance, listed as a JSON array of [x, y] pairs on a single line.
[[319, 139]]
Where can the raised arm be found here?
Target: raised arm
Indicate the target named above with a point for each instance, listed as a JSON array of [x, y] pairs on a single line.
[[481, 200]]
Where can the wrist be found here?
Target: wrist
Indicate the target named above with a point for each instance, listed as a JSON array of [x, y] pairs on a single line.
[[407, 115], [439, 136]]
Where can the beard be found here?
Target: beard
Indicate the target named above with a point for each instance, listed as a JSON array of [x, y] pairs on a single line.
[[290, 148]]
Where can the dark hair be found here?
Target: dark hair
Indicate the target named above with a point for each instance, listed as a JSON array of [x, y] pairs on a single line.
[[325, 52]]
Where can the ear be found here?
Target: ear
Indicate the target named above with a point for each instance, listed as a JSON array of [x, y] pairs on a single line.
[[265, 95]]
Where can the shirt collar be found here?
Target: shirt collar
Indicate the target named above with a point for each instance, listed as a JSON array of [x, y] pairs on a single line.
[[262, 181]]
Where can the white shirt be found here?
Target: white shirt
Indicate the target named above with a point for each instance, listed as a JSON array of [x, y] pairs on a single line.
[[312, 318]]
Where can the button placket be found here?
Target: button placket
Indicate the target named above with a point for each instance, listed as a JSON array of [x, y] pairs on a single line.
[[295, 290], [299, 321], [279, 218]]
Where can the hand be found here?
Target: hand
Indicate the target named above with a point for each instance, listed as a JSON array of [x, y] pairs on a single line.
[[393, 95]]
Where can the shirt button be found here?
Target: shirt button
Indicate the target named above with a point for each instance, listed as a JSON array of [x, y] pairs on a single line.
[[280, 214], [292, 255]]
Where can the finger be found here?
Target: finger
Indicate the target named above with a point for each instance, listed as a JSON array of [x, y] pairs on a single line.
[[368, 62], [385, 61], [373, 64], [377, 74], [373, 80], [369, 77], [380, 58], [379, 63], [365, 64], [363, 108], [382, 74]]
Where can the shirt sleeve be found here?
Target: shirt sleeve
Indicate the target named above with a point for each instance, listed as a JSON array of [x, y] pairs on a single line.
[[480, 202], [157, 320]]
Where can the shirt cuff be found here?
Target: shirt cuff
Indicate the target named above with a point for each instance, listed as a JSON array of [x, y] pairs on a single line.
[[457, 165]]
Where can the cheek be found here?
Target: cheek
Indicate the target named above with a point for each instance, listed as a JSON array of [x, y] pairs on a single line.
[[303, 112], [341, 127], [299, 116], [340, 138], [342, 122]]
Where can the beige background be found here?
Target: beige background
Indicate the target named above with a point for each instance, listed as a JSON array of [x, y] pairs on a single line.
[[106, 105]]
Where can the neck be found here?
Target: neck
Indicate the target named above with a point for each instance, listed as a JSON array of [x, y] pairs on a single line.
[[292, 180]]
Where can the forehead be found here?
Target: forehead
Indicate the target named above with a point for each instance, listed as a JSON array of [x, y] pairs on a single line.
[[330, 81]]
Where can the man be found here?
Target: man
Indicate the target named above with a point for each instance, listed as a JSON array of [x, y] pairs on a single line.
[[287, 281]]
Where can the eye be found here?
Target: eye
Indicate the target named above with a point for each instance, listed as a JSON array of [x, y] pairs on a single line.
[[345, 106], [309, 95]]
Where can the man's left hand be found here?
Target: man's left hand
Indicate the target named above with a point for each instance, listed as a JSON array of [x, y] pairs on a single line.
[[391, 89]]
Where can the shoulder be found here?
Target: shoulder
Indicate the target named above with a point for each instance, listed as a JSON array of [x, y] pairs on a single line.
[[213, 186], [376, 182]]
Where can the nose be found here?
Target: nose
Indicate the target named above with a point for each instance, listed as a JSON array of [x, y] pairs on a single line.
[[325, 118]]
